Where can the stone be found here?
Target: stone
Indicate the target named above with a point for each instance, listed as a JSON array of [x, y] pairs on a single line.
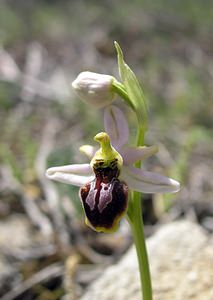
[[181, 262]]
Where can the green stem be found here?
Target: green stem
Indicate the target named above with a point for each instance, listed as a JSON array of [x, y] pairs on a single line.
[[140, 142], [137, 227], [136, 223], [119, 88]]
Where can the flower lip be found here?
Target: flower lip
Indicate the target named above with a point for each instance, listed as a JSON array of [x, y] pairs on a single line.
[[105, 202]]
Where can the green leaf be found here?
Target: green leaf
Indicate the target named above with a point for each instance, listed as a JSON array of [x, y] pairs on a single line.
[[133, 89]]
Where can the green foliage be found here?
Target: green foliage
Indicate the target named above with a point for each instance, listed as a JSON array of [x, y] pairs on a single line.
[[133, 89], [8, 93], [11, 26], [18, 150]]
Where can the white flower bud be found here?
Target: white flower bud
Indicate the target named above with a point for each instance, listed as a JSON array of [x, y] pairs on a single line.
[[94, 88]]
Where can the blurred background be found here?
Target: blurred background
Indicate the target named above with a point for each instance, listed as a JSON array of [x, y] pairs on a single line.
[[46, 251]]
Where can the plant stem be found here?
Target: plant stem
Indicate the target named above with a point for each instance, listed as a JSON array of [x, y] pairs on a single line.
[[137, 227], [136, 223]]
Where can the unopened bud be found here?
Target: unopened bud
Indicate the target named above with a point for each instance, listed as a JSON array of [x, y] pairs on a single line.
[[94, 88]]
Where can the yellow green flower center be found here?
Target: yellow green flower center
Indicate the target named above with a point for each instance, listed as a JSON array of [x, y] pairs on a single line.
[[106, 156]]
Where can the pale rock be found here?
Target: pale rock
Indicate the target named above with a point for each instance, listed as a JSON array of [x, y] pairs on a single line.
[[181, 259]]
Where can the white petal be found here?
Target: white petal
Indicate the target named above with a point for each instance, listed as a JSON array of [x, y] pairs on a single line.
[[88, 150], [77, 174], [116, 126], [132, 154], [148, 182]]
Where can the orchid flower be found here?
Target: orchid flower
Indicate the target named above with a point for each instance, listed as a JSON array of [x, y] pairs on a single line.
[[105, 181]]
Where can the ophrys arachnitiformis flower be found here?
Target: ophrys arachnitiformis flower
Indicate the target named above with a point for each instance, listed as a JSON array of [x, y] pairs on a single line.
[[106, 179]]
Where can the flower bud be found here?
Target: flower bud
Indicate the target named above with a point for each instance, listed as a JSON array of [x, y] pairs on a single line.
[[94, 88]]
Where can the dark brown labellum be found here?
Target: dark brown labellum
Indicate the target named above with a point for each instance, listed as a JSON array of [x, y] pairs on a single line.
[[104, 199]]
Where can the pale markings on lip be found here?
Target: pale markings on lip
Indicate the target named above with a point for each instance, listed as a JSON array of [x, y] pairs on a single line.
[[105, 196], [90, 199]]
